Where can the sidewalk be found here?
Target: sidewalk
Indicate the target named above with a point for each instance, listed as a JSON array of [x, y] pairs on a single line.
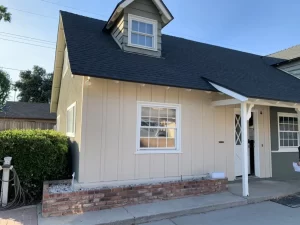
[[260, 190], [23, 216]]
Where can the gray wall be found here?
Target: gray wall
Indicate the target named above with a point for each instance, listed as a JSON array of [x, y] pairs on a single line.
[[143, 8], [292, 68], [282, 167], [274, 124]]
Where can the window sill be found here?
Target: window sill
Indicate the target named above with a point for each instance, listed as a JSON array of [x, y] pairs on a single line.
[[141, 152], [281, 150], [141, 47]]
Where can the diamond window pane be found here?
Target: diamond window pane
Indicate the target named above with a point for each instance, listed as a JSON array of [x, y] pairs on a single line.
[[149, 41], [134, 38], [149, 29], [135, 25]]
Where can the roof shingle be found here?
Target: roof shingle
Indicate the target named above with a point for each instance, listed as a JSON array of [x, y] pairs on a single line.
[[184, 63]]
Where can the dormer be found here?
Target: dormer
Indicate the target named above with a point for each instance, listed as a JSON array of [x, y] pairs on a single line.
[[136, 25]]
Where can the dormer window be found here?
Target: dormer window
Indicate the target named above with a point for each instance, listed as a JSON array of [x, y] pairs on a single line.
[[142, 32]]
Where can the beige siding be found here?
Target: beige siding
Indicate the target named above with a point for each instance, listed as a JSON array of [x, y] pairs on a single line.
[[10, 124], [109, 145], [71, 91]]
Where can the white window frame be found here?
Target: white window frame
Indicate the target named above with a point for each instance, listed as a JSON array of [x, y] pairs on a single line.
[[58, 123], [286, 149], [71, 134], [65, 63], [144, 20], [177, 148]]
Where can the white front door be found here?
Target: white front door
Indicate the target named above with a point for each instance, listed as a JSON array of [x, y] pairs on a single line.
[[238, 153]]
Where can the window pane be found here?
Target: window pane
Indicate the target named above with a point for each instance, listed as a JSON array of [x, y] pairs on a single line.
[[285, 119], [290, 135], [296, 127], [135, 25], [291, 142], [285, 135], [152, 142], [144, 142], [142, 27], [149, 29], [163, 122], [141, 39], [149, 42], [145, 111], [163, 112], [172, 113], [171, 142], [295, 143], [153, 132], [286, 127], [134, 38], [281, 143], [153, 122], [280, 119], [171, 133], [281, 127], [295, 136], [285, 143], [162, 142], [154, 112], [145, 122], [281, 135], [162, 133], [144, 132]]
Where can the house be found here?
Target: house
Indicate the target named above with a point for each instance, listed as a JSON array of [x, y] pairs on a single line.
[[141, 106], [25, 115], [287, 60]]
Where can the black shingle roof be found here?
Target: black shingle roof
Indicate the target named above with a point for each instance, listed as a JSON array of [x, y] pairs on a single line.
[[184, 63], [25, 110]]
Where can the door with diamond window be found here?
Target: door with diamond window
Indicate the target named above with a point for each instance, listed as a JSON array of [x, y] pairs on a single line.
[[238, 151]]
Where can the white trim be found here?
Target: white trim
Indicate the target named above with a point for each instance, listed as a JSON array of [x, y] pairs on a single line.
[[177, 148], [244, 127], [163, 9], [229, 92], [58, 123], [71, 134], [286, 148], [65, 62], [144, 20], [226, 102]]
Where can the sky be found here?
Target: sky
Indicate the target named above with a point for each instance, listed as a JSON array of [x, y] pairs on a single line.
[[257, 26]]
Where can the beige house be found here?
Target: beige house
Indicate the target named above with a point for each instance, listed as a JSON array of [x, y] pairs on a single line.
[[140, 106]]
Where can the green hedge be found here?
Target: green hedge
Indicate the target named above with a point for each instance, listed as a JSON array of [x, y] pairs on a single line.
[[38, 155]]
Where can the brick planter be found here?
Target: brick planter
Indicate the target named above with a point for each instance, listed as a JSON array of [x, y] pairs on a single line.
[[106, 198]]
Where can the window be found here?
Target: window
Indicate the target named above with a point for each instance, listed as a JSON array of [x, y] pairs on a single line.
[[288, 130], [158, 128], [142, 32], [71, 119], [66, 61]]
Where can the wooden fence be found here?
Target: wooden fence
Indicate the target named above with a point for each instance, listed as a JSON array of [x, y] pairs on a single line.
[[10, 124]]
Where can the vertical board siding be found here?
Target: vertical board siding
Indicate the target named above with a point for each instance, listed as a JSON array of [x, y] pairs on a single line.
[[110, 152], [11, 124]]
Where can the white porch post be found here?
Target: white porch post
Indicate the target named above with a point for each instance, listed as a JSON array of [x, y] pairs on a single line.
[[244, 119]]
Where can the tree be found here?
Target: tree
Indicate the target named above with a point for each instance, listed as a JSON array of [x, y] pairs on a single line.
[[5, 85], [35, 85], [6, 16]]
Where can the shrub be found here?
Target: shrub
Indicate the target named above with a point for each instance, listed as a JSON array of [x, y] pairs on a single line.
[[37, 155]]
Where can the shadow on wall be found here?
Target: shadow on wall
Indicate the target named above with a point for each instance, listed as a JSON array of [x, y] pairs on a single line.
[[73, 157]]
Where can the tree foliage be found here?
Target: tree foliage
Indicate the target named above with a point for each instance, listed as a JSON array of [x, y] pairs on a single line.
[[5, 85], [6, 16], [35, 85]]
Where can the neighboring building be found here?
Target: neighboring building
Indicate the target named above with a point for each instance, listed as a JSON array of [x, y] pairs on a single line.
[[24, 115], [142, 106]]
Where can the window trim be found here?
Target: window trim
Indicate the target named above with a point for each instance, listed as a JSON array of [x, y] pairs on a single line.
[[70, 134], [58, 123], [177, 149], [286, 148], [145, 20]]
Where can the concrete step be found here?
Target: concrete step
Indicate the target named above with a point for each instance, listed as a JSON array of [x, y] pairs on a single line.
[[149, 212]]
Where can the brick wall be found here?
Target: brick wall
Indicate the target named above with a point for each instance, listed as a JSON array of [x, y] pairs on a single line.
[[106, 198]]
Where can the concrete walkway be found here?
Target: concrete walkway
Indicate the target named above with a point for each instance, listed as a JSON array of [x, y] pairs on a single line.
[[22, 216], [260, 190]]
